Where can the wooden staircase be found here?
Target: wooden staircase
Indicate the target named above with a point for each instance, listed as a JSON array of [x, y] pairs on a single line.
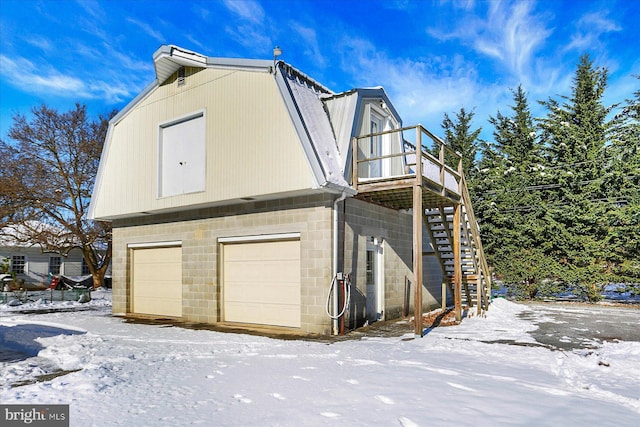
[[434, 189], [476, 277]]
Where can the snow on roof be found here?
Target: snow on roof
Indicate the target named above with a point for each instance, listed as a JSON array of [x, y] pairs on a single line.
[[313, 124], [20, 235]]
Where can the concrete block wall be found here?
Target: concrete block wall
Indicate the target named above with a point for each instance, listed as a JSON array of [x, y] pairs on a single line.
[[364, 219], [198, 230]]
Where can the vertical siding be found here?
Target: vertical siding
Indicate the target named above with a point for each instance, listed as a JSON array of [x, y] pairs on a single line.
[[342, 111], [252, 147]]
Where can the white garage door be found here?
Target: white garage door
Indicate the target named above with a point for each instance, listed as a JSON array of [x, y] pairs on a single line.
[[157, 281], [262, 283]]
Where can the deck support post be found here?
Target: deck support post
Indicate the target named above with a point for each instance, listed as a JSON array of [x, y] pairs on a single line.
[[479, 293], [418, 212], [457, 267]]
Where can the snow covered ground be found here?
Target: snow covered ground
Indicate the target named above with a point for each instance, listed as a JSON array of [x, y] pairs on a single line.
[[487, 371]]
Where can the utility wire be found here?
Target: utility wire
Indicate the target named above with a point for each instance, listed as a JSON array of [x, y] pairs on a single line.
[[552, 186], [525, 208]]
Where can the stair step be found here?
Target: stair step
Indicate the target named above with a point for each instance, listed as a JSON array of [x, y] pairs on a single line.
[[449, 255]]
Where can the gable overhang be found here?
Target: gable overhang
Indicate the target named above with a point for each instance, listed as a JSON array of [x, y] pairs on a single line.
[[169, 58]]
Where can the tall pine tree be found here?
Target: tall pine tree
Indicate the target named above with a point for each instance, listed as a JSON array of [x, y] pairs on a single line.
[[511, 214], [459, 136], [622, 190], [575, 133]]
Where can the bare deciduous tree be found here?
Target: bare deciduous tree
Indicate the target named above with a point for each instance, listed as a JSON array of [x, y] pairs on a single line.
[[47, 171]]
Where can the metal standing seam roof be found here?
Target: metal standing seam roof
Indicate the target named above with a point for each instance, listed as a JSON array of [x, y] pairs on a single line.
[[303, 98]]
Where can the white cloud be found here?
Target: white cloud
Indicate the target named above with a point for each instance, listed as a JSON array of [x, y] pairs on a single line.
[[24, 75], [509, 33], [93, 8], [196, 42], [246, 9], [128, 62], [598, 21], [460, 4], [202, 12], [111, 92], [147, 29], [589, 29], [310, 42], [40, 42], [421, 90], [250, 31], [251, 37], [46, 81]]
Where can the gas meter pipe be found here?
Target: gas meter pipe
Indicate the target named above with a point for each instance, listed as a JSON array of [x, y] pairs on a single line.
[[335, 324]]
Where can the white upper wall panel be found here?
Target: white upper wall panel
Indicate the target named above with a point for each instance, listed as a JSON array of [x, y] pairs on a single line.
[[251, 147]]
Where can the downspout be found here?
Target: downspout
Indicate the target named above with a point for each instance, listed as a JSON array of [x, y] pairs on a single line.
[[336, 288]]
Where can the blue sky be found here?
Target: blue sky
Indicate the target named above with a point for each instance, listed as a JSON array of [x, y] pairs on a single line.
[[432, 57]]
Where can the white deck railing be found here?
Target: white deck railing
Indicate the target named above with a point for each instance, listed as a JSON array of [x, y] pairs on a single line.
[[391, 155]]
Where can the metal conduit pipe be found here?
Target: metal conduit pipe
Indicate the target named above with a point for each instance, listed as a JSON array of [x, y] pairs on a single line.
[[336, 289]]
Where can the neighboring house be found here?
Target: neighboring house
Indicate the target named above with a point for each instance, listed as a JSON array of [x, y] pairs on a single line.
[[31, 264], [235, 199]]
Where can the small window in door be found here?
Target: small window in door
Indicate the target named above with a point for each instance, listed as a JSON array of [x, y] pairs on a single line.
[[370, 266]]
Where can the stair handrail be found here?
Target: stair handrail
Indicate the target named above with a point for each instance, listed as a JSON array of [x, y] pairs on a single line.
[[466, 198]]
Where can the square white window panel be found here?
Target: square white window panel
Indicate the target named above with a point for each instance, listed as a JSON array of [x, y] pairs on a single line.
[[182, 157]]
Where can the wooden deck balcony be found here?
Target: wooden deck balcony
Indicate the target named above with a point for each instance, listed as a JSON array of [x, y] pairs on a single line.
[[384, 169], [392, 169]]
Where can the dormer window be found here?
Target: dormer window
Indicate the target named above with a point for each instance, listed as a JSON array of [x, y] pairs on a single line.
[[181, 76]]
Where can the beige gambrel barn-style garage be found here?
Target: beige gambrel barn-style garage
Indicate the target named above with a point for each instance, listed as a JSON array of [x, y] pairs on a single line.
[[244, 192]]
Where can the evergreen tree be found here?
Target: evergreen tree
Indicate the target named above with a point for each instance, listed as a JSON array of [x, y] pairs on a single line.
[[515, 136], [460, 138], [511, 211], [622, 190], [575, 132]]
